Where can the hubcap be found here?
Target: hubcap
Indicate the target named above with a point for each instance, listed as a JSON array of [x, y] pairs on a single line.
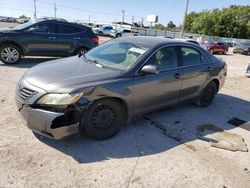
[[10, 54], [103, 117]]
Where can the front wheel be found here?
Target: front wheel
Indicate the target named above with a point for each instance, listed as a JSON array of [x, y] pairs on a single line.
[[81, 50], [10, 54], [104, 119], [207, 95], [118, 35]]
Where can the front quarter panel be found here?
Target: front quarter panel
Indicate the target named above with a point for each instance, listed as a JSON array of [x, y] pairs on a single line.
[[121, 89]]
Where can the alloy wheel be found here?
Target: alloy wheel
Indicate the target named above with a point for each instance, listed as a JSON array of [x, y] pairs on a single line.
[[10, 54]]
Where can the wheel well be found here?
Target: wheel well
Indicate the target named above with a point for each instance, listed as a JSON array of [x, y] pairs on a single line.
[[217, 84], [13, 43], [121, 102], [80, 48]]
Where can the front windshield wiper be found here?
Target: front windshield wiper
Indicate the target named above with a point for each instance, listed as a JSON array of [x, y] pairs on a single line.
[[93, 61]]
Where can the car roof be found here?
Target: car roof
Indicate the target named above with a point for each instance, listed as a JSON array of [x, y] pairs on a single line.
[[153, 41]]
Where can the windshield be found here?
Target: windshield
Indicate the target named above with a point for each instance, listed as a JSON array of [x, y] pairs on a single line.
[[117, 55], [23, 26]]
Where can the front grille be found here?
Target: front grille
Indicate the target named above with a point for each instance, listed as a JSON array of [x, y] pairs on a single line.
[[25, 93]]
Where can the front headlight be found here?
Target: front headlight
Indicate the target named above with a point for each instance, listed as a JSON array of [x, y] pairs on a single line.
[[59, 99]]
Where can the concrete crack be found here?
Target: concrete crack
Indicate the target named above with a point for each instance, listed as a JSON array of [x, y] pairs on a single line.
[[166, 131], [137, 160]]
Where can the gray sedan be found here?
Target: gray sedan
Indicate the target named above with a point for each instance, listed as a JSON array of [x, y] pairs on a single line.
[[101, 90]]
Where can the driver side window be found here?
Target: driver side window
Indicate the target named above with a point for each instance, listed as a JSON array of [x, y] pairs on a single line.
[[165, 58]]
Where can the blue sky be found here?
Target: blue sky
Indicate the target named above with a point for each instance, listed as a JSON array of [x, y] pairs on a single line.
[[110, 10]]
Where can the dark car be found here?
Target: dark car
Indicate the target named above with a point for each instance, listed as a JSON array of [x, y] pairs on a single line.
[[242, 48], [109, 85], [45, 38], [217, 47]]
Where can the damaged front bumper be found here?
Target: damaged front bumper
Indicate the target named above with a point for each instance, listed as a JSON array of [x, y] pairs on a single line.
[[47, 122]]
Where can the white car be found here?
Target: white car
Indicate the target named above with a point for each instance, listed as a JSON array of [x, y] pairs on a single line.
[[121, 32]]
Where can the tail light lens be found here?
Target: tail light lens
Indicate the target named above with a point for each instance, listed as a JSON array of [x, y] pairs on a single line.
[[95, 40]]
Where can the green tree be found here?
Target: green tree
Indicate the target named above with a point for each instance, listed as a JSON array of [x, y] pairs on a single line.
[[23, 16], [159, 26], [171, 25], [227, 22]]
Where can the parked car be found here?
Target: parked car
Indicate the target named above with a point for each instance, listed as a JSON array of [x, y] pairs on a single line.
[[242, 48], [121, 32], [104, 30], [106, 87], [248, 71], [217, 47], [45, 38]]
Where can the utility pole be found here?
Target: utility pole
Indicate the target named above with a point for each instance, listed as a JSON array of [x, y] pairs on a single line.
[[89, 18], [55, 9], [184, 19], [35, 9], [133, 19], [123, 12], [142, 21]]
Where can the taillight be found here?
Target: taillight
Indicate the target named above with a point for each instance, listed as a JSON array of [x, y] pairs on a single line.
[[95, 40]]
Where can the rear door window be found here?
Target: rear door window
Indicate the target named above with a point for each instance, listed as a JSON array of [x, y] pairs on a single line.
[[66, 29], [191, 56]]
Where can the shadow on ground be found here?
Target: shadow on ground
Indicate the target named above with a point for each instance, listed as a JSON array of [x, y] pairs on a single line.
[[29, 62], [142, 137]]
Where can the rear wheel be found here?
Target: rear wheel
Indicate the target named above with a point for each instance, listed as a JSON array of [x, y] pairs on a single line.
[[10, 54], [100, 33], [104, 119], [225, 52], [207, 95], [212, 51]]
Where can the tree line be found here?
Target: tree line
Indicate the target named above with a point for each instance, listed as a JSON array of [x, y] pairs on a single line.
[[231, 22]]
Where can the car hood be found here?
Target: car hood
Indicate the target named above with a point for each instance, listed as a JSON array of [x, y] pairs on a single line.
[[67, 74]]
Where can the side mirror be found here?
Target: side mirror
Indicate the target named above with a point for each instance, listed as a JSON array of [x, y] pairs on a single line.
[[149, 69]]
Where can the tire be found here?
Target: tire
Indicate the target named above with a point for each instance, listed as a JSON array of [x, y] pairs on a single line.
[[118, 35], [207, 95], [100, 33], [10, 54], [80, 50], [225, 52], [104, 119]]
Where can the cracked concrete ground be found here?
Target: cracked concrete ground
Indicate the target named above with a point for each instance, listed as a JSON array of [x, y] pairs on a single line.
[[141, 155]]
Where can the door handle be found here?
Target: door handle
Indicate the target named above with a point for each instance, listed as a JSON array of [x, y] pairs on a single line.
[[77, 38], [177, 76], [51, 38]]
